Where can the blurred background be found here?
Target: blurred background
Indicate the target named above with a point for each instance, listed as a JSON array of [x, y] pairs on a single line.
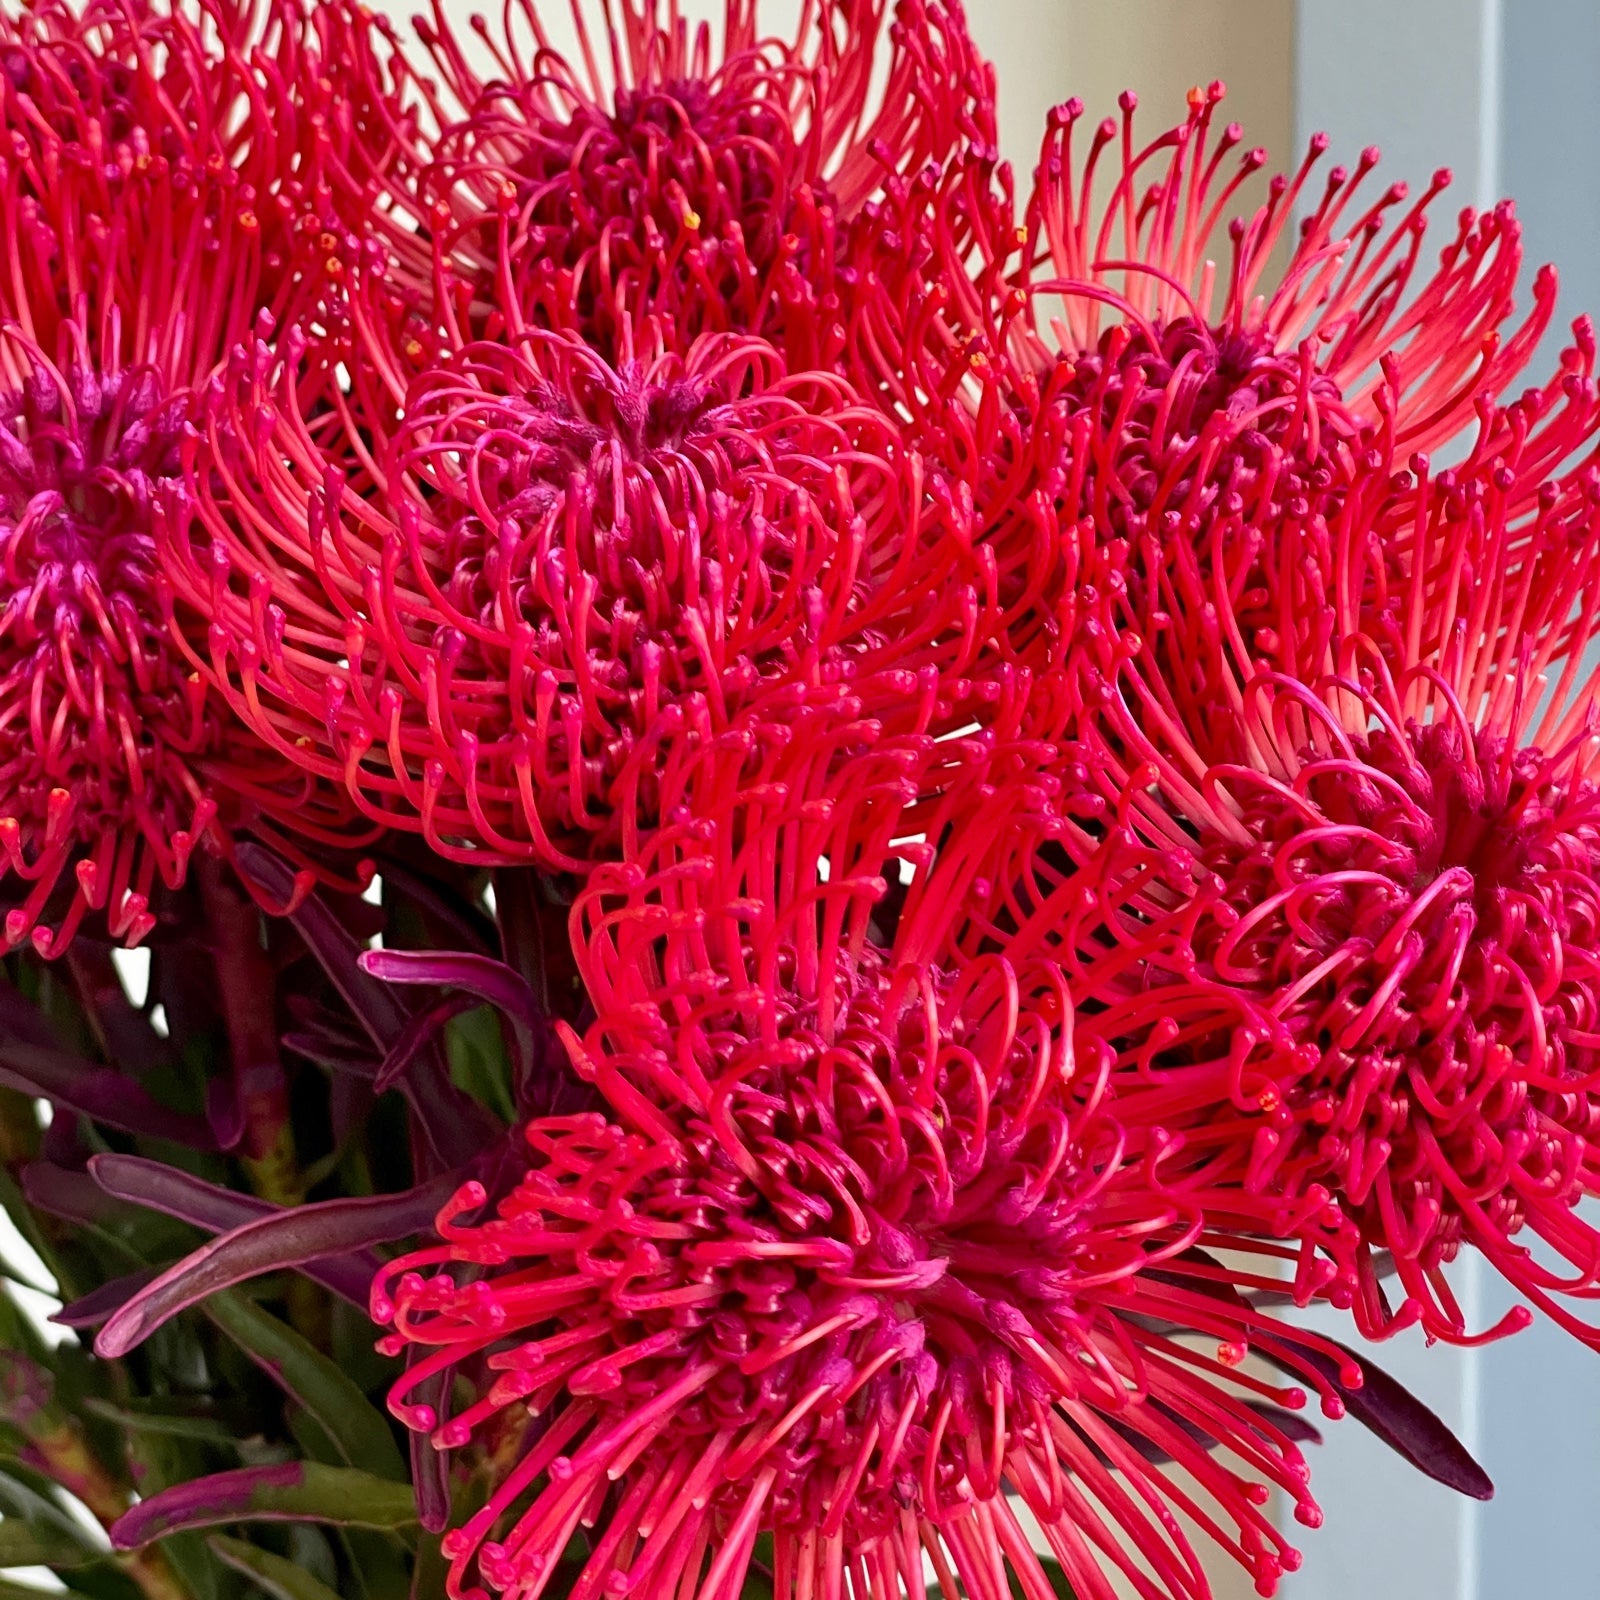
[[1507, 94]]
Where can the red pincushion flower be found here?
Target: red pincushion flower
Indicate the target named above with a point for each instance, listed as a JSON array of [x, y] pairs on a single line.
[[662, 178], [1354, 886], [134, 251], [1118, 379], [850, 1250], [572, 577]]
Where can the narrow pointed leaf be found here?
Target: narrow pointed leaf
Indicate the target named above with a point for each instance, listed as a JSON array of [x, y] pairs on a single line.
[[1386, 1408], [358, 1430], [99, 1305], [295, 1491], [71, 1196], [380, 1010], [31, 1591], [27, 1544], [167, 1419], [216, 1210], [270, 1244], [456, 1126], [276, 1576], [97, 1093], [24, 1507], [489, 980]]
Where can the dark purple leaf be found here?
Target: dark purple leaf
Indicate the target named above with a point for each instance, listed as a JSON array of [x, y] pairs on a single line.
[[1389, 1410], [90, 1310], [96, 1092], [469, 924], [430, 1468], [72, 1196], [225, 1113], [1381, 1404], [268, 1244], [419, 1033], [123, 1029], [21, 1019], [333, 1051], [1289, 1423], [190, 1199], [455, 1125], [481, 976], [377, 1007]]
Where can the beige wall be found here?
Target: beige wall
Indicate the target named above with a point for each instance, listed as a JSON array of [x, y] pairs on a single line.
[[1049, 50]]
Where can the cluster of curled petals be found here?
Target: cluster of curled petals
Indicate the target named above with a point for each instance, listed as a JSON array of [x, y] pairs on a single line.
[[851, 1256], [665, 176], [574, 578], [99, 718], [1129, 366], [132, 254], [1351, 889], [1345, 301]]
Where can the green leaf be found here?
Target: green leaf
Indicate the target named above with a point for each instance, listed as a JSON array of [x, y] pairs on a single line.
[[296, 1491], [23, 1506], [358, 1429], [1052, 1571], [476, 1050], [379, 1566], [24, 1591], [279, 1577], [33, 1544], [162, 1463], [168, 1417]]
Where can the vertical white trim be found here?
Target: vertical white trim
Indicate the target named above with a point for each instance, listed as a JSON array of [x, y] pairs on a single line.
[[1491, 47], [1469, 1533]]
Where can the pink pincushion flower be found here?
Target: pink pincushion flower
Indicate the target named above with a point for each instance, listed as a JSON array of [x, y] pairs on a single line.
[[133, 251], [664, 178], [572, 577], [1353, 881], [851, 1252], [1115, 375]]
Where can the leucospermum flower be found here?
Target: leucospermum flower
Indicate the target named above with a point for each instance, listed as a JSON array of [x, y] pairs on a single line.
[[1130, 370], [663, 175], [851, 1256], [570, 576], [1354, 890], [141, 234]]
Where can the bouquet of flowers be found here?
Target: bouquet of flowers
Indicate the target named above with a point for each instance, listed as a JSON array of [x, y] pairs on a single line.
[[804, 833]]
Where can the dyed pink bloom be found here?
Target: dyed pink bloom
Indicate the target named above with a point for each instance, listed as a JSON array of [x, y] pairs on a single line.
[[134, 251], [665, 182], [852, 1251], [570, 579], [1352, 883]]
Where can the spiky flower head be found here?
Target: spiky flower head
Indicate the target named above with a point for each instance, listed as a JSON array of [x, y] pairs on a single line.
[[134, 250], [1133, 374], [661, 179], [574, 576], [850, 1254], [1353, 869]]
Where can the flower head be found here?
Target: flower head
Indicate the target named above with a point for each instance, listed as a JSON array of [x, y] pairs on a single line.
[[851, 1253], [134, 251], [1353, 884], [574, 576], [1130, 379], [661, 183]]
